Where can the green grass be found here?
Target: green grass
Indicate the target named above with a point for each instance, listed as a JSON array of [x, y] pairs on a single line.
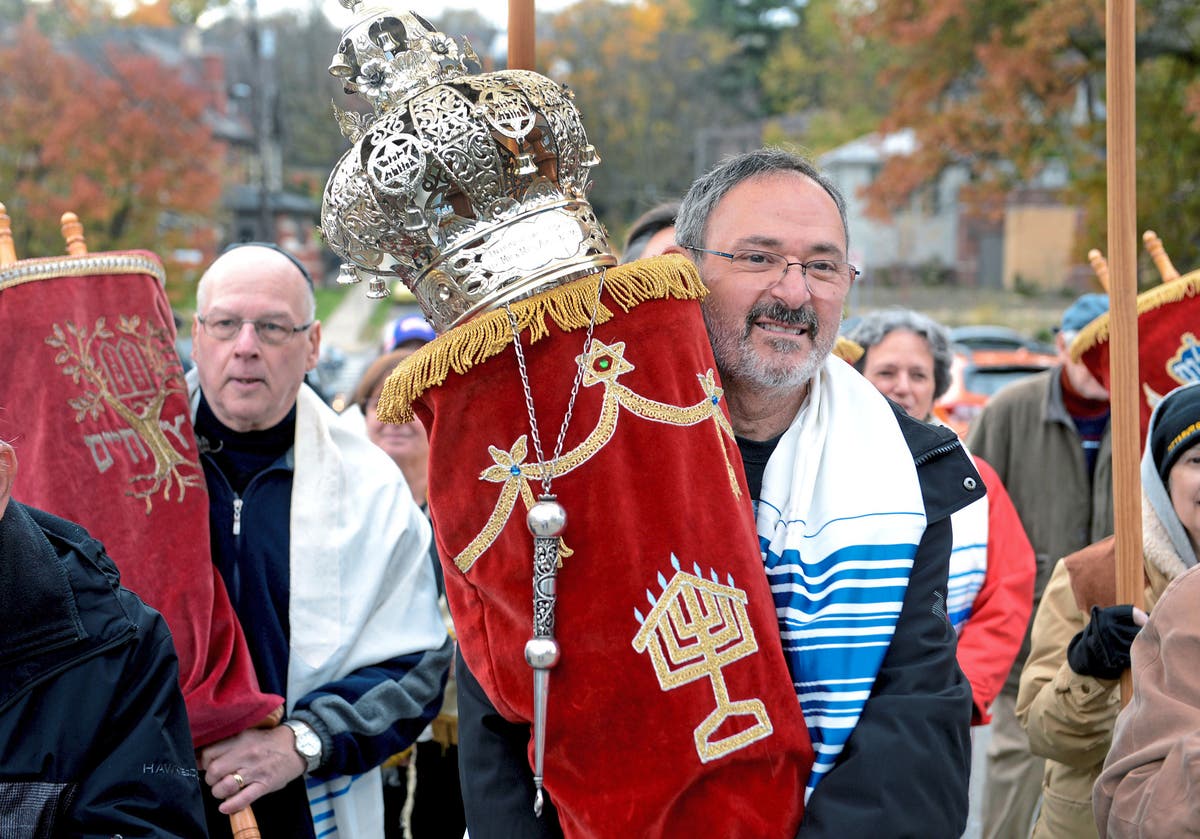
[[328, 299], [381, 312]]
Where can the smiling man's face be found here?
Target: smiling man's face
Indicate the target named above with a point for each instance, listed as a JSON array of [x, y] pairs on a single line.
[[772, 331], [248, 383]]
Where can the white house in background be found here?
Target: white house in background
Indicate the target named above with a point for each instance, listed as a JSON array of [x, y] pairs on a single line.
[[1030, 245], [925, 235]]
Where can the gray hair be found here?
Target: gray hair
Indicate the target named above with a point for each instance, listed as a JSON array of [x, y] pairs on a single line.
[[874, 327], [691, 225]]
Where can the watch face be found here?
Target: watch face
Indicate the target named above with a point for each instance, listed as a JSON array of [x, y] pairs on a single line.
[[308, 743]]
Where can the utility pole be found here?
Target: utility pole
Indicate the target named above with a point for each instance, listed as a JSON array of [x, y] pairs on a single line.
[[262, 53]]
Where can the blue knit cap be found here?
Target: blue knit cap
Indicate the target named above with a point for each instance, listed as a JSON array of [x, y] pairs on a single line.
[[1083, 311]]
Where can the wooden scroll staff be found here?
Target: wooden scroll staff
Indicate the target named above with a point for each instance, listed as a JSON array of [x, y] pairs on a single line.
[[1123, 358], [521, 35]]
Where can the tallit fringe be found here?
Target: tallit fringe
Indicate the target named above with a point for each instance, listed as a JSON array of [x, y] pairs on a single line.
[[568, 307], [1097, 331]]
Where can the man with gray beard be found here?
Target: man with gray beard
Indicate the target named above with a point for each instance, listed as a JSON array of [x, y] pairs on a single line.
[[852, 501]]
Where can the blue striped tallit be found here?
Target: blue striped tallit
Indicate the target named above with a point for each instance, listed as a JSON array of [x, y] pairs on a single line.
[[330, 820], [968, 561], [839, 519]]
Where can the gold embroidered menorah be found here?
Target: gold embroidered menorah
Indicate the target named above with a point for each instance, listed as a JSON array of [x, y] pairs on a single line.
[[696, 628]]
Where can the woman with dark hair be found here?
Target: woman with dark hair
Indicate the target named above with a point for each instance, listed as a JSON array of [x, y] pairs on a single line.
[[907, 355]]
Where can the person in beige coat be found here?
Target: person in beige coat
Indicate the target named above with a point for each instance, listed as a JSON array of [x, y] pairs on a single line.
[[1149, 784], [1068, 698]]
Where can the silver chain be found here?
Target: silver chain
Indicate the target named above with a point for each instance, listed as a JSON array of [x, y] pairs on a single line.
[[548, 468]]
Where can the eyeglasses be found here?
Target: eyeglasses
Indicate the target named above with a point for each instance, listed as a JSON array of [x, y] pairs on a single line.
[[823, 276], [269, 330]]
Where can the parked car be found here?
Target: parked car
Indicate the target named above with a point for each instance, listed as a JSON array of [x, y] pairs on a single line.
[[978, 372], [996, 338]]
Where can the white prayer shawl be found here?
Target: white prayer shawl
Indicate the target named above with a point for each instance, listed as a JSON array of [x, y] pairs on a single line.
[[968, 561], [371, 596], [839, 520]]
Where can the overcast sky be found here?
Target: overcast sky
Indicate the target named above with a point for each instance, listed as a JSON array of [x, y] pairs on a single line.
[[494, 10]]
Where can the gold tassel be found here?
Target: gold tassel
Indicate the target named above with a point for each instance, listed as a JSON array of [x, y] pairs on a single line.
[[1097, 331], [568, 307]]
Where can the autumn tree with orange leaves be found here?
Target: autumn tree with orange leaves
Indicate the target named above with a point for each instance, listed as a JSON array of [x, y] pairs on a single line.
[[121, 142], [1012, 89], [646, 77]]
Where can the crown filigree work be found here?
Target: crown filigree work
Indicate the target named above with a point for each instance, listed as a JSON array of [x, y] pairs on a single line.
[[468, 187]]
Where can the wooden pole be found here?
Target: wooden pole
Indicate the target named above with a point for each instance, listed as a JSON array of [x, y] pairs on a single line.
[[1123, 347], [522, 48]]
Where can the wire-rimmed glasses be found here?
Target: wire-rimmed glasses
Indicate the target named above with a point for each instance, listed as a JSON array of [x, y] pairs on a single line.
[[274, 331], [824, 277]]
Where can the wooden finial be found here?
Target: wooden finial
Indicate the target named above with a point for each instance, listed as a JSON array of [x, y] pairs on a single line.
[[8, 253], [1100, 266], [1158, 253], [72, 231]]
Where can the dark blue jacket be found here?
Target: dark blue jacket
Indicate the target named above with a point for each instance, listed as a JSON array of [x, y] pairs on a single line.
[[251, 547], [94, 738]]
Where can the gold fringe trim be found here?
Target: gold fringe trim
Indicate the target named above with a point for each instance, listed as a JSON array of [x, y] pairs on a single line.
[[568, 306], [1097, 331]]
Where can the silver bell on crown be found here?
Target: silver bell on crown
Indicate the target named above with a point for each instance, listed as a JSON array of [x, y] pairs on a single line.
[[468, 187]]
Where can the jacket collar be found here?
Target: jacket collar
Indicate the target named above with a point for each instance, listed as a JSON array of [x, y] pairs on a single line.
[[36, 598]]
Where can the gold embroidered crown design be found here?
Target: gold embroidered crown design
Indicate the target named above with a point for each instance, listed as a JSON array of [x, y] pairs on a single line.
[[468, 187]]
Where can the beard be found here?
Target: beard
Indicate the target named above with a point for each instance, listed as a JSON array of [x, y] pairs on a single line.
[[793, 366]]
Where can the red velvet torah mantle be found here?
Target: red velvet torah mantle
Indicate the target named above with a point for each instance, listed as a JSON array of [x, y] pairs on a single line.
[[92, 396], [671, 711], [1168, 325]]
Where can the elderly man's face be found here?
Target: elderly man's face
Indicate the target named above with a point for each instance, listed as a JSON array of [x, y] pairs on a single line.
[[249, 383], [772, 330]]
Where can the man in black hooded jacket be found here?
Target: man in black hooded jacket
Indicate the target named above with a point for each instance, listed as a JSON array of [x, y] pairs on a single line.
[[94, 737]]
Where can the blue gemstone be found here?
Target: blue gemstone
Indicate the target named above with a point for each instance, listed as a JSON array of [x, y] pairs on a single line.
[[516, 470]]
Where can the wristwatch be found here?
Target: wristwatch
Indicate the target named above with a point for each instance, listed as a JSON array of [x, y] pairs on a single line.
[[308, 744]]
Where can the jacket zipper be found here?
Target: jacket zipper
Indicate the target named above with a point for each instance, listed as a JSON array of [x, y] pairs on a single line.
[[933, 454], [237, 515]]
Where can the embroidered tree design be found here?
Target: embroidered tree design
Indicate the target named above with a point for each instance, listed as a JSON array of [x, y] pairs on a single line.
[[132, 372]]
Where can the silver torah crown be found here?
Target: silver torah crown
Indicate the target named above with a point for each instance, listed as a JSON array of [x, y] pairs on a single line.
[[468, 187]]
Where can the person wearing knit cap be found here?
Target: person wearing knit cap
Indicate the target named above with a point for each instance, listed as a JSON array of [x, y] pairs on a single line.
[[1146, 786], [1082, 636], [1176, 430], [1048, 437]]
